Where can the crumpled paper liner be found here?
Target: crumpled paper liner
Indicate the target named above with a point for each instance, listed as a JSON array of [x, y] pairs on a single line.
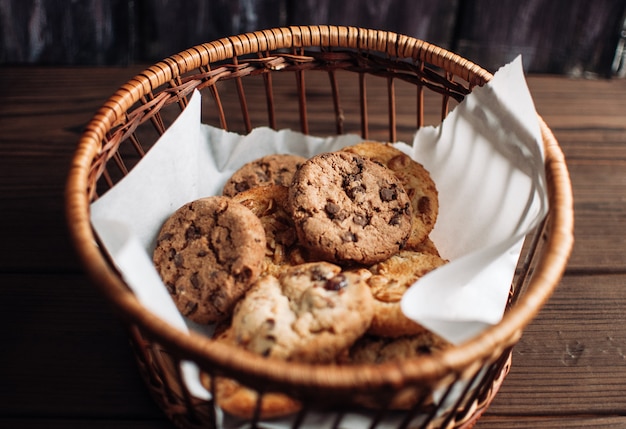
[[486, 159]]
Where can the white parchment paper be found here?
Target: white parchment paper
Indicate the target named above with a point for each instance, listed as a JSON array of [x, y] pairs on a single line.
[[486, 159]]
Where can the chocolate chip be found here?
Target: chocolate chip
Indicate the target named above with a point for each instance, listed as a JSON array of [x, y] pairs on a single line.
[[336, 283], [192, 232], [332, 209], [388, 194], [353, 191], [262, 176], [178, 260], [242, 186], [423, 205], [317, 274], [423, 350], [195, 282], [270, 323], [399, 161], [190, 308], [244, 275], [396, 219], [165, 237]]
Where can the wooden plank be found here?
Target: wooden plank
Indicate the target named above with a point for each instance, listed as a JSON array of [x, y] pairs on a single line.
[[587, 119], [42, 113], [69, 355], [551, 422], [61, 101], [82, 423], [571, 358], [84, 367], [68, 358]]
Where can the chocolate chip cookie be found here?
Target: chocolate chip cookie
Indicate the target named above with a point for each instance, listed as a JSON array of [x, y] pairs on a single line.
[[377, 350], [310, 313], [276, 169], [269, 204], [208, 253], [349, 209], [389, 281], [416, 181]]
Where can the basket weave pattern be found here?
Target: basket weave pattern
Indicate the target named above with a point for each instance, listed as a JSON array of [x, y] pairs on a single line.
[[131, 121]]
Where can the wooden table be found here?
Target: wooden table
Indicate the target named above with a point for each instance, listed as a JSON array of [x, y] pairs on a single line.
[[66, 362]]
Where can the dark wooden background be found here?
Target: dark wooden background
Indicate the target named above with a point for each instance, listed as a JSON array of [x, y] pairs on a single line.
[[573, 37]]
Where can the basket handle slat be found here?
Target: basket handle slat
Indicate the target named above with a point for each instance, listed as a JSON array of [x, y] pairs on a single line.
[[137, 144], [363, 106], [420, 99], [336, 104], [391, 100], [304, 122], [242, 99], [269, 99], [445, 101], [156, 119]]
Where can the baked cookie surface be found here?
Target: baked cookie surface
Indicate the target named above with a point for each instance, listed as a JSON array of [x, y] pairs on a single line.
[[389, 281], [416, 181], [208, 253], [310, 313], [349, 209], [269, 204], [275, 169], [240, 400], [378, 350]]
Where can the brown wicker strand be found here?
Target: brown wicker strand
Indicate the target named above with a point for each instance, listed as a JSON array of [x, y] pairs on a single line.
[[391, 101], [339, 118], [363, 106], [304, 123]]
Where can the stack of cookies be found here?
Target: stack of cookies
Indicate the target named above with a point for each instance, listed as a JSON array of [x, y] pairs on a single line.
[[306, 260]]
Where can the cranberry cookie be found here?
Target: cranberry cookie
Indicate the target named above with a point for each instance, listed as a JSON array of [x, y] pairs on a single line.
[[208, 253], [276, 169], [349, 209], [310, 313], [416, 181]]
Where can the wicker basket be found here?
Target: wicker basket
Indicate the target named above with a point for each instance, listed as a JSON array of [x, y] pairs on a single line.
[[142, 109]]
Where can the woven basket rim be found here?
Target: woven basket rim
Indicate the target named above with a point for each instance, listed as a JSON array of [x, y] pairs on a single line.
[[491, 342]]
